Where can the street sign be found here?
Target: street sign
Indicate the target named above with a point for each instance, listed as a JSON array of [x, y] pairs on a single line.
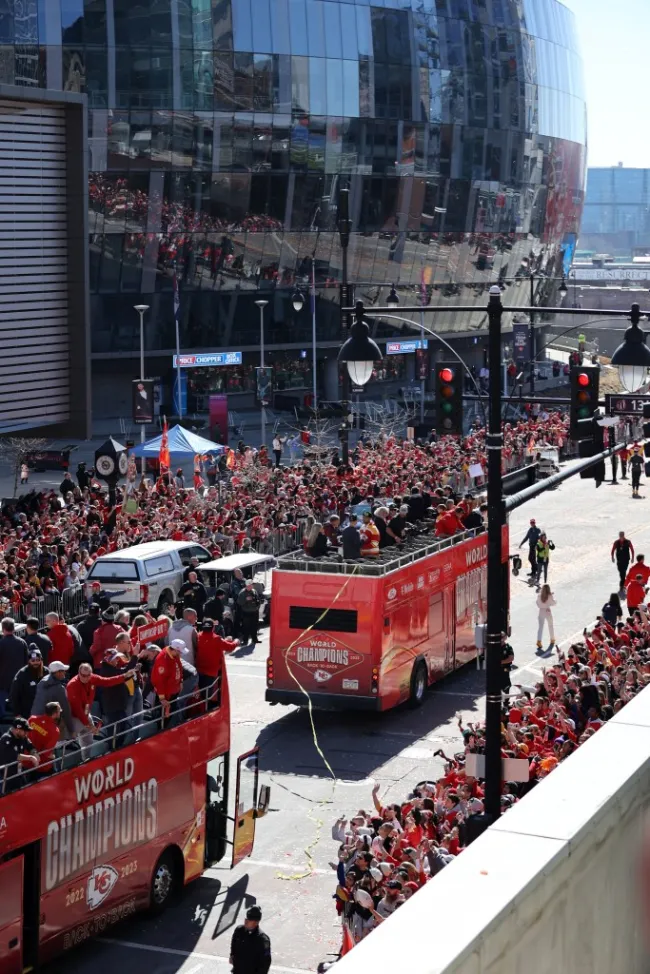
[[205, 359], [616, 405], [404, 348]]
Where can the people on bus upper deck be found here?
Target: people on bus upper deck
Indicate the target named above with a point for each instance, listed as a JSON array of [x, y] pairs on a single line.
[[13, 656], [44, 734], [52, 688], [184, 629], [351, 539], [317, 545], [35, 638], [397, 527], [17, 753], [25, 682]]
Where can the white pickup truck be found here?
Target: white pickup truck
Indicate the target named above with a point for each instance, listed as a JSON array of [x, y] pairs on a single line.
[[149, 573]]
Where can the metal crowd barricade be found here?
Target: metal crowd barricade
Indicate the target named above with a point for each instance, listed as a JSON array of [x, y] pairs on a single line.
[[73, 602]]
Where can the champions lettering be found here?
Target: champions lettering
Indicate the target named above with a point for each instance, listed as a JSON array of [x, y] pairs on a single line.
[[100, 829], [321, 654]]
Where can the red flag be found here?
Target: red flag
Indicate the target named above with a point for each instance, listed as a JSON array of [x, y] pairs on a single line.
[[348, 941], [163, 456]]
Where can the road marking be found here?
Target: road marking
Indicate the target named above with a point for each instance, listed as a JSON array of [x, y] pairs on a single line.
[[251, 676], [175, 952], [194, 970]]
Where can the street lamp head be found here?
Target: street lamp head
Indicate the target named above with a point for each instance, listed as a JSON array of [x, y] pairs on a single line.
[[632, 357], [297, 301], [261, 303], [359, 352], [563, 289], [141, 308], [393, 298], [495, 291]]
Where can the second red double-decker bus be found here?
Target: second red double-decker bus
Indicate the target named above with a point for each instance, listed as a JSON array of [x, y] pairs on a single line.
[[98, 839], [375, 633]]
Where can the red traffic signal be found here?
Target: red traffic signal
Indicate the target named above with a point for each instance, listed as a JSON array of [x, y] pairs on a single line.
[[446, 375], [583, 379]]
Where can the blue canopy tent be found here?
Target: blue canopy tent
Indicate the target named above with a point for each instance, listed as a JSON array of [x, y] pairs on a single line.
[[182, 443]]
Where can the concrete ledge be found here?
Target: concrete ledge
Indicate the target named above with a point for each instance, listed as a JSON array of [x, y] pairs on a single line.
[[551, 888]]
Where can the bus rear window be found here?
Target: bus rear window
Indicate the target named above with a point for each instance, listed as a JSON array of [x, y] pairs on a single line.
[[334, 620], [114, 571]]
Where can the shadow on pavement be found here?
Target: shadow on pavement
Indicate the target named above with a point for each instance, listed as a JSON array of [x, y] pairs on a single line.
[[356, 744]]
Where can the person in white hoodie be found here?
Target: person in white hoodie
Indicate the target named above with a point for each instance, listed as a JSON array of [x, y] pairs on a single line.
[[545, 603]]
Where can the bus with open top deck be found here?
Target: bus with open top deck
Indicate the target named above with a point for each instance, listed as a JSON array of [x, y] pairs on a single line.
[[374, 633], [111, 831]]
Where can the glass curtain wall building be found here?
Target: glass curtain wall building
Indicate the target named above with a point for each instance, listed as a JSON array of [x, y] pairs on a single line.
[[616, 218], [222, 130]]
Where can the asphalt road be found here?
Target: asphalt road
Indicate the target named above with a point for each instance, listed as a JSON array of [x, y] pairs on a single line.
[[395, 749]]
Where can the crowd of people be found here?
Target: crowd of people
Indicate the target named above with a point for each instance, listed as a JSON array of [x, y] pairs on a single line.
[[387, 852], [99, 680], [82, 680]]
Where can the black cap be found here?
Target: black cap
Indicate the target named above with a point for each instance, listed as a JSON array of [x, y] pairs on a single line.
[[93, 608], [393, 884], [109, 614], [254, 913], [20, 723], [208, 625], [34, 652]]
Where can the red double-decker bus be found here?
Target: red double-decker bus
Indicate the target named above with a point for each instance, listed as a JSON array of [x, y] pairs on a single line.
[[373, 634], [99, 839]]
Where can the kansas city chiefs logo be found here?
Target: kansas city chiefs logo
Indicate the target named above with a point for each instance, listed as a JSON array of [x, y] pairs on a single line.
[[100, 882]]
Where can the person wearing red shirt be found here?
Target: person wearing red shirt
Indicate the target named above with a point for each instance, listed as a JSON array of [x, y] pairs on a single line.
[[104, 637], [63, 644], [44, 734], [210, 648], [81, 696], [167, 678], [635, 592], [638, 568]]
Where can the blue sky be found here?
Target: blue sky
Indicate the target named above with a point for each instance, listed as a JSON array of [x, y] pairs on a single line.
[[616, 54]]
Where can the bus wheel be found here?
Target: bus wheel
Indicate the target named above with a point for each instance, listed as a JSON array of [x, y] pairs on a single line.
[[418, 685], [163, 882]]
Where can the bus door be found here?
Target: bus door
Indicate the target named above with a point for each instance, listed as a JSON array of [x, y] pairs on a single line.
[[11, 916], [248, 807], [450, 628]]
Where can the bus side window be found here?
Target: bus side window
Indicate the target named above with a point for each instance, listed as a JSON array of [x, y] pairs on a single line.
[[216, 809]]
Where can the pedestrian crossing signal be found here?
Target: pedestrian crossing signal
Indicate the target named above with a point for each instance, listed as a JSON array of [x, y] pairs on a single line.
[[584, 400]]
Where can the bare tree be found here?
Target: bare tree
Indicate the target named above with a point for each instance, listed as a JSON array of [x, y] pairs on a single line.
[[323, 439], [384, 423], [16, 450]]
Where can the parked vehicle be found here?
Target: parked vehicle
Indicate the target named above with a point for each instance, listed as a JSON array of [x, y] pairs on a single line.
[[150, 573]]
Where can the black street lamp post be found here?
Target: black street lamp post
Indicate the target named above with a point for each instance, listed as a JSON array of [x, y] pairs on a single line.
[[495, 606], [346, 302]]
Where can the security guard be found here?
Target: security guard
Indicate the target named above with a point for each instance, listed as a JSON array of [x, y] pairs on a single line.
[[250, 949], [507, 660]]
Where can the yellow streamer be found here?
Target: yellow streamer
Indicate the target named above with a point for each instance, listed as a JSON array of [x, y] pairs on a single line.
[[318, 822]]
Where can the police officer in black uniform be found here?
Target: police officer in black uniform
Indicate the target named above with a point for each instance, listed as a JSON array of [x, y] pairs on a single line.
[[636, 466], [507, 659], [250, 948]]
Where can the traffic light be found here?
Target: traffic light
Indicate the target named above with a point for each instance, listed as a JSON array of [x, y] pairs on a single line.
[[449, 397], [584, 400], [589, 447]]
